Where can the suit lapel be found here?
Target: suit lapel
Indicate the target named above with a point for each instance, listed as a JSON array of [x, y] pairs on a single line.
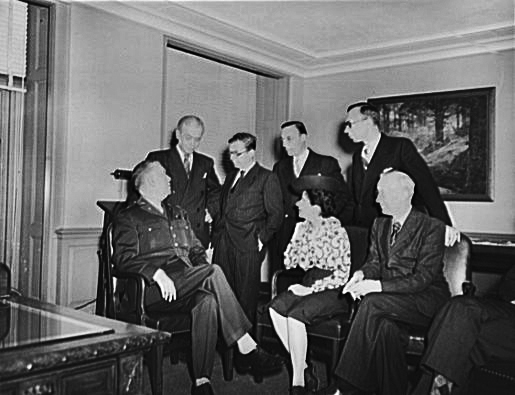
[[310, 166], [376, 165], [247, 181], [179, 179], [405, 235]]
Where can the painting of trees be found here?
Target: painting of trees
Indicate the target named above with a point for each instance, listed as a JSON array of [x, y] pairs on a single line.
[[452, 131]]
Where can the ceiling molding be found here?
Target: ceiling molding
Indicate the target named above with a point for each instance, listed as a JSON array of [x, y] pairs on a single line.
[[203, 31]]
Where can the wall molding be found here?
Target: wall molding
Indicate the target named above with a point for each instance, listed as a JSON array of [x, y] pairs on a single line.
[[77, 265], [202, 30]]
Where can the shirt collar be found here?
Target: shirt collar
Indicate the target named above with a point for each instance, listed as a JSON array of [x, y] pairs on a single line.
[[302, 156], [372, 145], [182, 154], [403, 218]]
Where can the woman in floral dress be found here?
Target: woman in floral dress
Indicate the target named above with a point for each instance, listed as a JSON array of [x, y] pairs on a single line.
[[321, 247]]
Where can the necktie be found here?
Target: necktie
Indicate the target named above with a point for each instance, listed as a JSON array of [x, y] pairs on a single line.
[[242, 173], [365, 156], [396, 227], [187, 164]]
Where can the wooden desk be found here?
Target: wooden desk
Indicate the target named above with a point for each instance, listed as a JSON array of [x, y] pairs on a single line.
[[48, 349]]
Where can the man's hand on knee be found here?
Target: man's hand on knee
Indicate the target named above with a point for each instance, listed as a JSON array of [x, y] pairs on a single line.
[[166, 285]]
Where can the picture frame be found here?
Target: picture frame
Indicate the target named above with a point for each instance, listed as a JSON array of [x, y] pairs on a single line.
[[453, 131]]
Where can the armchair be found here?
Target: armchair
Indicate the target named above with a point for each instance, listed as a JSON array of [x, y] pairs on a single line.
[[113, 303], [327, 337], [496, 376]]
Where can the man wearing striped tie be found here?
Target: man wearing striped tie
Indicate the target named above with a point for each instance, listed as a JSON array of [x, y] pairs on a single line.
[[193, 180], [401, 281], [381, 151]]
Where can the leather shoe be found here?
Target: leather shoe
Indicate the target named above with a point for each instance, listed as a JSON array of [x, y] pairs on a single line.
[[259, 361], [203, 389], [298, 390], [334, 389], [331, 389], [311, 381]]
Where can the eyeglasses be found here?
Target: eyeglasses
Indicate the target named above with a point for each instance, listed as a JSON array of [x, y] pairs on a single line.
[[349, 124], [237, 154]]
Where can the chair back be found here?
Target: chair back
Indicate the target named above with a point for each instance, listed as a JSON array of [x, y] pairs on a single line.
[[456, 267], [358, 238], [107, 269]]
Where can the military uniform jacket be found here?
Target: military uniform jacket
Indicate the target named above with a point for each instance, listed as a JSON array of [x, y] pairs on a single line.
[[145, 240]]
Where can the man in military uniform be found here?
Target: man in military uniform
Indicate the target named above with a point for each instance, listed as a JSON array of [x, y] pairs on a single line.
[[158, 242]]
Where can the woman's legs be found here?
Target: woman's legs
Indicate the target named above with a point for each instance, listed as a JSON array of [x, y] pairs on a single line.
[[293, 335], [298, 343], [281, 328]]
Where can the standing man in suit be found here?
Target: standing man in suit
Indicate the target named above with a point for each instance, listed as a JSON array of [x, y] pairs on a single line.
[[401, 281], [380, 152], [251, 211], [302, 161], [466, 333], [194, 183]]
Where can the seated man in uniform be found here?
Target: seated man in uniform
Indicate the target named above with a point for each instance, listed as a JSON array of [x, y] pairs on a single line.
[[157, 241]]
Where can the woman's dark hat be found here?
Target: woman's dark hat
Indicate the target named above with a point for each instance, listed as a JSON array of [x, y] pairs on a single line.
[[316, 182]]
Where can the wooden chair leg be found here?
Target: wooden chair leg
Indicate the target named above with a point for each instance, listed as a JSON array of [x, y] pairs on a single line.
[[154, 359], [227, 363]]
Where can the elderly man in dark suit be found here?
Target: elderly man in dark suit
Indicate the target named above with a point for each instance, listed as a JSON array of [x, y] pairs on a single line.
[[401, 281], [303, 161], [156, 240], [251, 211], [380, 152], [194, 183], [466, 333]]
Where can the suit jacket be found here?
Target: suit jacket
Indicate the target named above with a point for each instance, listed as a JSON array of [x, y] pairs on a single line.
[[254, 209], [400, 154], [414, 263], [200, 191], [315, 164]]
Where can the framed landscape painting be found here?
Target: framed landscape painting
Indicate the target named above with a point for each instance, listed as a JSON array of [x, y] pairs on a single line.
[[453, 131]]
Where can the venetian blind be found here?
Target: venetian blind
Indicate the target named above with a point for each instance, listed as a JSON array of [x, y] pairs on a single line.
[[13, 42]]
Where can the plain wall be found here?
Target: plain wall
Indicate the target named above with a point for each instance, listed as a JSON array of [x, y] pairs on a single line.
[[325, 100], [110, 115], [116, 78]]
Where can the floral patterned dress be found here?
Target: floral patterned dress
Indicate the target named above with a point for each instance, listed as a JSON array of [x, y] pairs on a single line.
[[324, 253], [326, 249]]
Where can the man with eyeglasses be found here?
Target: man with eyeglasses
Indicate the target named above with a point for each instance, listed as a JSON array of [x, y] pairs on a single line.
[[251, 211], [380, 152], [193, 180], [303, 161]]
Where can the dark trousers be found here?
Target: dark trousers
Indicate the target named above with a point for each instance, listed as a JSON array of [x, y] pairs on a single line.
[[466, 333], [373, 357], [243, 273], [204, 291]]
